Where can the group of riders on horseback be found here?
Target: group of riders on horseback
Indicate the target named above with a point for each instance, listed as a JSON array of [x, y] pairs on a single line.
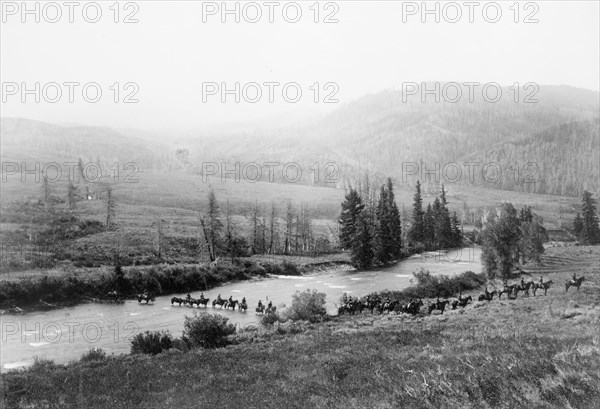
[[230, 303], [373, 303], [224, 303], [352, 305]]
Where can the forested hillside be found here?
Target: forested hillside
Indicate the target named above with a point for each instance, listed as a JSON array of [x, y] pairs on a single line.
[[375, 135]]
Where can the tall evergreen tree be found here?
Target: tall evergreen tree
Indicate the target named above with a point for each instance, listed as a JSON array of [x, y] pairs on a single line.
[[395, 221], [351, 209], [382, 240], [456, 231], [362, 251], [415, 234], [429, 228], [590, 232]]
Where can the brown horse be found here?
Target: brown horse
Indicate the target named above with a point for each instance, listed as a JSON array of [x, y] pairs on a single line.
[[542, 286], [438, 305], [577, 283], [487, 296]]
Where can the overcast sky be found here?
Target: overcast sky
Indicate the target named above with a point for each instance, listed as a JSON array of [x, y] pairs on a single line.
[[170, 52]]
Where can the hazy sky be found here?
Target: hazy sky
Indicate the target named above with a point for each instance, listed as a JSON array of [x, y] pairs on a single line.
[[170, 52]]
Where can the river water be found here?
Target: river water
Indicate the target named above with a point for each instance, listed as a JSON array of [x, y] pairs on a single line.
[[67, 333]]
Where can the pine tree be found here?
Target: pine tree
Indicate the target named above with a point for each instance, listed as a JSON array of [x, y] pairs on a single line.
[[429, 228], [456, 231], [445, 234], [395, 221], [415, 234], [351, 208], [382, 240], [590, 233], [362, 251]]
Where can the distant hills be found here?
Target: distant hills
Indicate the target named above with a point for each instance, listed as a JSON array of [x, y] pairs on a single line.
[[375, 134]]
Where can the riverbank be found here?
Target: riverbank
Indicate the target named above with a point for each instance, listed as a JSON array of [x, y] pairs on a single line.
[[36, 292], [540, 351]]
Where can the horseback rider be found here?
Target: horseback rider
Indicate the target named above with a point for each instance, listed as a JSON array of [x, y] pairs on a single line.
[[574, 279], [230, 299], [189, 297], [541, 280], [219, 297], [260, 304], [522, 283], [270, 305], [244, 301], [201, 296]]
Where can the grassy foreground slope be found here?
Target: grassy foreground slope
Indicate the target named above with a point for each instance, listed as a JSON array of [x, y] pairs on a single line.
[[533, 352]]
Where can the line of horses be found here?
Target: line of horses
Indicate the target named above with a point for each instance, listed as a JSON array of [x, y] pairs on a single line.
[[376, 303], [203, 301]]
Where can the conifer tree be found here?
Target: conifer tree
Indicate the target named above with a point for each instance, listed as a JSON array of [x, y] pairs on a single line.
[[395, 221], [362, 251], [590, 232], [415, 234], [351, 208]]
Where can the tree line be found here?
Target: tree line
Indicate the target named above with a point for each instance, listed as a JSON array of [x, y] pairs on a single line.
[[371, 228]]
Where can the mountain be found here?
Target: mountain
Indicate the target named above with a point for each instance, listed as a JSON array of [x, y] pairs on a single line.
[[379, 135], [380, 132], [29, 141]]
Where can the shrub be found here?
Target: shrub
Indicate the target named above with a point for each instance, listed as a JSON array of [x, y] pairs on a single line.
[[270, 318], [207, 330], [41, 364], [96, 354], [151, 343], [308, 305], [290, 269]]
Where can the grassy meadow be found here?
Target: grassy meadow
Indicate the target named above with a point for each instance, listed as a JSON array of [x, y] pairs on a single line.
[[532, 352], [175, 198]]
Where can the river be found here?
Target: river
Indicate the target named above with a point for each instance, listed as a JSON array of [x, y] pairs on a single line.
[[67, 333]]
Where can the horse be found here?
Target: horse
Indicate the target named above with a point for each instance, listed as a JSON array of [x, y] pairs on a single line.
[[438, 305], [243, 306], [525, 288], [270, 310], [487, 296], [219, 301], [462, 302], [178, 300], [413, 307], [260, 309], [545, 286], [146, 297], [508, 290], [577, 283], [203, 301], [231, 304], [541, 286], [371, 304]]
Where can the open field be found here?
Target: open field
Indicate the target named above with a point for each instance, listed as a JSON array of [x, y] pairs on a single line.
[[176, 198], [532, 352]]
